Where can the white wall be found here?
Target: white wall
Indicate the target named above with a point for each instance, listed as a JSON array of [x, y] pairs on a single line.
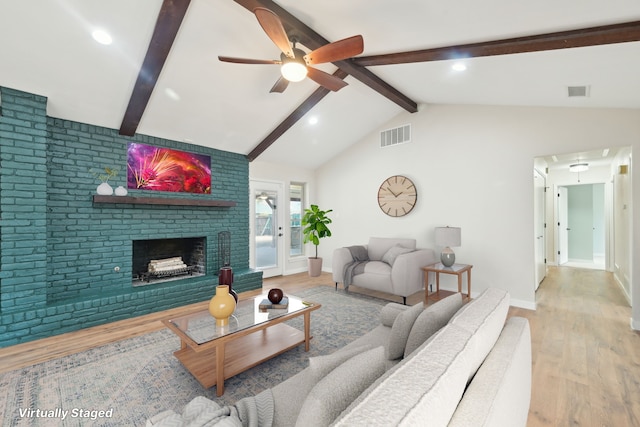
[[472, 166]]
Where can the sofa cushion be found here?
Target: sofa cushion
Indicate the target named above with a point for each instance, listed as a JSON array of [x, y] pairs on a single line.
[[289, 395], [337, 390], [394, 252], [424, 389], [433, 318], [484, 318], [390, 311], [400, 331], [500, 392], [378, 246]]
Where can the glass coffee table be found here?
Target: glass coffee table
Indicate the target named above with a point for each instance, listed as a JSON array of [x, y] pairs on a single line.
[[214, 353]]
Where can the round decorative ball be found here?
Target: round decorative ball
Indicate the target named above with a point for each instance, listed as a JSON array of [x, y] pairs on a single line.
[[275, 295]]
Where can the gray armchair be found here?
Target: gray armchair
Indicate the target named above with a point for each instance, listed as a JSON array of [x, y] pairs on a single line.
[[385, 264]]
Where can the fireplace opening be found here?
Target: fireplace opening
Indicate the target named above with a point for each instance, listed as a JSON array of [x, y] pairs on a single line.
[[162, 260]]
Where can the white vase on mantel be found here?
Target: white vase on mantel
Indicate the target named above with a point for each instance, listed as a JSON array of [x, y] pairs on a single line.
[[120, 191], [104, 189]]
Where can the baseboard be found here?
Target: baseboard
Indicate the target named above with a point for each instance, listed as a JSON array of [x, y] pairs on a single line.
[[622, 288], [295, 271], [635, 324], [527, 305]]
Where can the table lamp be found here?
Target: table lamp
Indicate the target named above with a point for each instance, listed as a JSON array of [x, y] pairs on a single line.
[[447, 237]]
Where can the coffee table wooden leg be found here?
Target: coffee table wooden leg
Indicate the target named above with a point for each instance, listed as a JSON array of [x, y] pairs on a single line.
[[459, 283], [307, 330], [220, 370]]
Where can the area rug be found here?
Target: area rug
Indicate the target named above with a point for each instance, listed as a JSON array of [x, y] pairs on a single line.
[[127, 382]]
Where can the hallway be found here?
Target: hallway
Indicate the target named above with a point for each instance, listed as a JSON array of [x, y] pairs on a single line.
[[586, 359]]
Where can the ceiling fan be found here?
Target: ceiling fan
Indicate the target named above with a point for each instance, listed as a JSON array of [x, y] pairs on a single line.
[[295, 63]]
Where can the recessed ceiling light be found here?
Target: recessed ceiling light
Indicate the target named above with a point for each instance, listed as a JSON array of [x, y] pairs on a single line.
[[102, 37], [313, 120], [459, 66]]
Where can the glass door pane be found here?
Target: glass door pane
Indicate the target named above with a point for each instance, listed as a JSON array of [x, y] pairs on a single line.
[[266, 229]]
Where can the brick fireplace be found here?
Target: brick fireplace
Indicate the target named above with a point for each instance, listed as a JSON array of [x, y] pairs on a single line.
[[66, 259]]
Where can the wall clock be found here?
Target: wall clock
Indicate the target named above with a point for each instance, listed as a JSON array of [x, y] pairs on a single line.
[[397, 196]]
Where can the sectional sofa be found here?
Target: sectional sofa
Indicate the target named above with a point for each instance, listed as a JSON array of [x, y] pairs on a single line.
[[445, 365]]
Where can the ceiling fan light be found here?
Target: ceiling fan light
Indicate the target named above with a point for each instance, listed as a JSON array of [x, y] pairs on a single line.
[[579, 167], [293, 71]]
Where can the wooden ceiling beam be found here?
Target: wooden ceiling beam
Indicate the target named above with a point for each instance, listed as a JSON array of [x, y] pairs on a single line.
[[293, 118], [170, 18], [312, 40], [608, 34]]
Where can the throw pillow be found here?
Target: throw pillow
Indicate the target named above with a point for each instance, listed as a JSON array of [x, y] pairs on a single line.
[[390, 256], [390, 311], [320, 366], [400, 331], [337, 390], [431, 320]]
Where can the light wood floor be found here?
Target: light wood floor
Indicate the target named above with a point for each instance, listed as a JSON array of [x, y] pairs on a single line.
[[586, 359]]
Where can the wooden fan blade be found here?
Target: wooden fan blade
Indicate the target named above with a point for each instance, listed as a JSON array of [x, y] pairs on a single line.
[[324, 79], [248, 61], [280, 85], [272, 25], [336, 51]]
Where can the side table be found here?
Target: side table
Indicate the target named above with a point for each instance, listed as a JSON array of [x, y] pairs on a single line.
[[455, 269]]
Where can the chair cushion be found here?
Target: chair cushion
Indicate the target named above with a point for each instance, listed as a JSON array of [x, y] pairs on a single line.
[[331, 395], [400, 331], [378, 267], [390, 256], [432, 319], [378, 246]]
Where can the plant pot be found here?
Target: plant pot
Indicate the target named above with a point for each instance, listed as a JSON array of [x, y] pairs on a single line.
[[315, 266]]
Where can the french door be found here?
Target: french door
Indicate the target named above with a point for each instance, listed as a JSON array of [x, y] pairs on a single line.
[[267, 227]]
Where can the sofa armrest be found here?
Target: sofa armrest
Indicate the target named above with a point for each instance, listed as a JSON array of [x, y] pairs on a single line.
[[341, 257], [407, 277]]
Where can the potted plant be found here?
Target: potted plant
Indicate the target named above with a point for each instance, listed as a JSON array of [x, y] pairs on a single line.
[[104, 175], [314, 223]]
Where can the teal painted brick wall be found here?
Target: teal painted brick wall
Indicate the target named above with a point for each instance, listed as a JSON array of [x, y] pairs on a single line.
[[60, 251]]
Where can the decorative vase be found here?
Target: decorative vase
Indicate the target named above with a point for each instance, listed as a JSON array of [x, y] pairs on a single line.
[[225, 277], [104, 189], [275, 295], [120, 191], [222, 305]]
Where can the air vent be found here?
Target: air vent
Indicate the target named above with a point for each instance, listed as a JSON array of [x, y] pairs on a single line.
[[395, 136], [578, 91]]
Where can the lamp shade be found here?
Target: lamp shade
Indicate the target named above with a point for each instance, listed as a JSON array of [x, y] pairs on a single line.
[[448, 236]]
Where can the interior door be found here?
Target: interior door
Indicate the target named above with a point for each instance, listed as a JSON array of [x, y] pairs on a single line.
[[267, 228], [563, 226], [539, 189]]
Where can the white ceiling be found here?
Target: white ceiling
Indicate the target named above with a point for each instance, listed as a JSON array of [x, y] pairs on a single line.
[[47, 49]]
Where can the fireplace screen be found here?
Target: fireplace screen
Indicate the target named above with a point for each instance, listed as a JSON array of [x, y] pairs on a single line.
[[160, 260]]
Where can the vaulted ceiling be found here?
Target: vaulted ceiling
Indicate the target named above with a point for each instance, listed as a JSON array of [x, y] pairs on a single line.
[[161, 75]]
